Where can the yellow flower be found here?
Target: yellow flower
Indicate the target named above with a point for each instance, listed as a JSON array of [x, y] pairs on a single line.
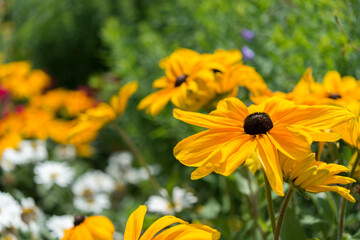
[[350, 132], [315, 176], [160, 229], [89, 123], [183, 69], [18, 78], [235, 132], [58, 100], [90, 228], [119, 102]]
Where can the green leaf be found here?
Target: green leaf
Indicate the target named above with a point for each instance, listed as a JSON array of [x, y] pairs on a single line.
[[291, 227]]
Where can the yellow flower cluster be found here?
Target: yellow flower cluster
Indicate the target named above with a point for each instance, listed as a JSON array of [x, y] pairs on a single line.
[[334, 90], [89, 123], [99, 227], [65, 116], [193, 81], [22, 81]]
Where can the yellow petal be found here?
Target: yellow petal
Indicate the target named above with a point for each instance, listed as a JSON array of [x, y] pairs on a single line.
[[156, 101], [268, 157], [294, 144], [194, 150], [204, 120], [100, 227], [345, 193], [134, 224], [159, 225], [189, 232], [119, 102]]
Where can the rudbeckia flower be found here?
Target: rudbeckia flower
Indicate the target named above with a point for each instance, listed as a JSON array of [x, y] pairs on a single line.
[[89, 123], [183, 69], [315, 176], [160, 229], [236, 131], [90, 228]]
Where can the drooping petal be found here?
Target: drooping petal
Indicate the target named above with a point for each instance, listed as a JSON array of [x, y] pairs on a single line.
[[268, 157], [317, 179], [345, 193], [134, 224]]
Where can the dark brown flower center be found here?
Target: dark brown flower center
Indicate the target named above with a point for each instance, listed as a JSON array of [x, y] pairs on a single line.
[[180, 80], [257, 123], [78, 220], [334, 96]]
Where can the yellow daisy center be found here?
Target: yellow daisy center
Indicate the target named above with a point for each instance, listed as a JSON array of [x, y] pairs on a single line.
[[257, 123], [180, 80], [78, 220]]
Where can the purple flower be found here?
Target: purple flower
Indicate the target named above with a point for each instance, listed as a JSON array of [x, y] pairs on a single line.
[[248, 54], [248, 35]]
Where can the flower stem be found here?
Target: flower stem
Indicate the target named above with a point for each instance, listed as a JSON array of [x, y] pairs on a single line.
[[270, 205], [282, 212], [141, 161], [343, 201]]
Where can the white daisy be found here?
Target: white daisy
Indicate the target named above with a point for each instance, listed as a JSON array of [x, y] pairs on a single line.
[[10, 212], [28, 151], [93, 182], [30, 216], [58, 224], [67, 151], [180, 197], [49, 173], [94, 204], [120, 168]]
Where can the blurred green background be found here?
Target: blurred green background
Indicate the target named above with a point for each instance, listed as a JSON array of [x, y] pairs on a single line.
[[74, 40], [104, 43]]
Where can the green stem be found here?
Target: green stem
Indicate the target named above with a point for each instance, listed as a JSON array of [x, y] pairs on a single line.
[[270, 205], [141, 161], [253, 202], [282, 212], [343, 201]]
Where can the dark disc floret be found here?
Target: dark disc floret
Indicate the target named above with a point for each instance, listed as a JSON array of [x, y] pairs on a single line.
[[180, 80], [78, 219], [334, 96], [257, 123]]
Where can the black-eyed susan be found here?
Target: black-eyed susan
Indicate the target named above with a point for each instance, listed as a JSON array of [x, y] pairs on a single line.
[[164, 229], [90, 228], [315, 176], [235, 132], [183, 70]]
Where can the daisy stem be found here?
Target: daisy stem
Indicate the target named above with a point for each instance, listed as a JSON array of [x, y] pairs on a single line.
[[270, 205], [343, 201], [141, 161], [282, 212]]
